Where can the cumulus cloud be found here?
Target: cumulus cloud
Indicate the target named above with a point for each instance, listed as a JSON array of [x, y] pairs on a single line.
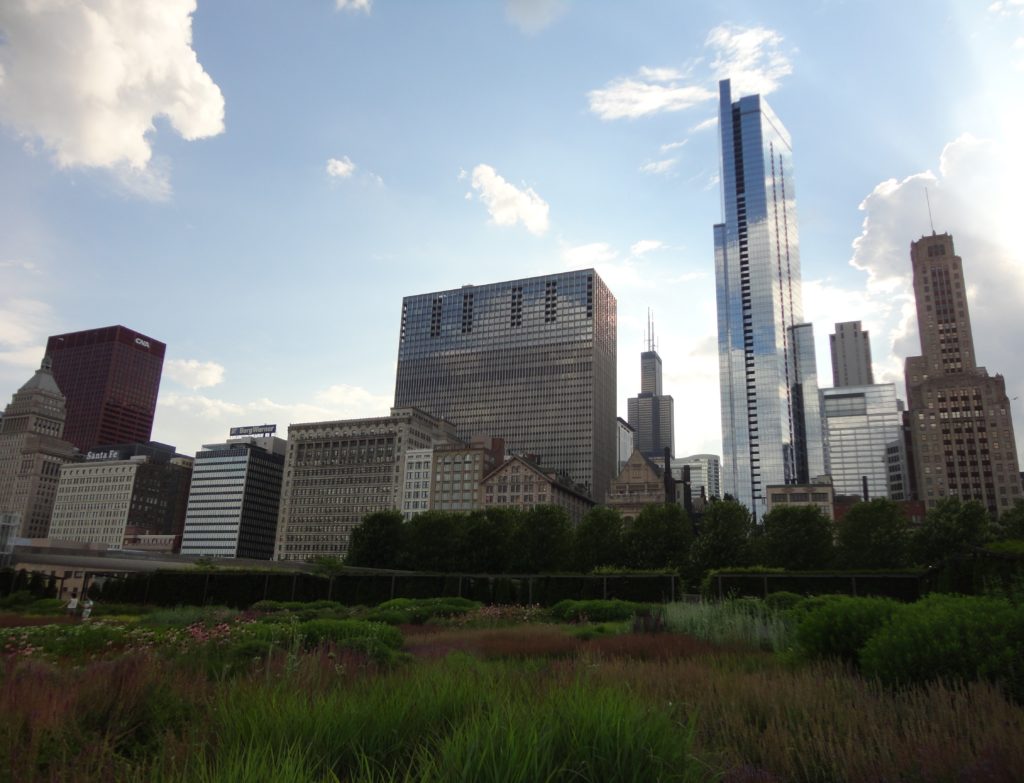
[[193, 373], [1007, 7], [973, 197], [88, 79], [659, 166], [753, 57], [507, 204], [342, 167], [189, 420], [354, 6], [532, 16]]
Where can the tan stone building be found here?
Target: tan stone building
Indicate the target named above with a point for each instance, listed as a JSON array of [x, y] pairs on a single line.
[[32, 451], [818, 493], [337, 472], [640, 483], [522, 484], [961, 430], [459, 470]]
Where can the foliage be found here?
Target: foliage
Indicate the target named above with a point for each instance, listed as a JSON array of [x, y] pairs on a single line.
[[745, 621], [797, 538], [659, 537], [314, 632], [431, 541], [951, 527], [417, 611], [485, 540], [1008, 547], [1011, 523], [952, 638], [327, 565], [542, 541], [840, 627], [596, 611], [874, 535], [722, 539], [377, 541], [598, 539], [783, 600]]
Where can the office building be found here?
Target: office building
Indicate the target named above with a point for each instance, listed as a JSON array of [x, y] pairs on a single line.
[[458, 471], [960, 425], [110, 378], [124, 494], [705, 474], [419, 465], [769, 432], [523, 484], [862, 422], [626, 437], [651, 412], [337, 472], [851, 355], [234, 498], [818, 493], [531, 361], [32, 450]]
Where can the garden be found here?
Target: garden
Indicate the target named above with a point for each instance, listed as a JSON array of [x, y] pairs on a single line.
[[827, 688]]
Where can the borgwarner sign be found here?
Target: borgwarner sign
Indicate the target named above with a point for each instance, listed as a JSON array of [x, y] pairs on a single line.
[[262, 429]]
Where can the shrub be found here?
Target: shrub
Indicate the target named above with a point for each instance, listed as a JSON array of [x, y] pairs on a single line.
[[417, 611], [782, 600], [314, 632], [596, 611], [956, 638], [182, 616], [840, 627], [17, 600]]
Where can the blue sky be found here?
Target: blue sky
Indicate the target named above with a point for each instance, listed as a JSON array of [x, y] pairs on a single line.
[[259, 183]]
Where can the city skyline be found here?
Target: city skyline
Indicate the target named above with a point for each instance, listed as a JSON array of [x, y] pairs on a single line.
[[341, 168]]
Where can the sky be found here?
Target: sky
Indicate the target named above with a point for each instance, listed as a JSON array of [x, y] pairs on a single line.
[[258, 183]]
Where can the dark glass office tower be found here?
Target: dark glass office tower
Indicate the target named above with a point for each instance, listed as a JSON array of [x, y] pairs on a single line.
[[110, 378], [766, 367], [531, 361]]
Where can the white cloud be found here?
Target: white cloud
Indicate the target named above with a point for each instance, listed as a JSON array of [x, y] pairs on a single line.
[[340, 167], [750, 56], [189, 420], [645, 246], [509, 205], [710, 122], [193, 373], [88, 79], [973, 197], [659, 166], [674, 145], [532, 16], [1007, 7], [591, 254], [354, 6], [637, 97]]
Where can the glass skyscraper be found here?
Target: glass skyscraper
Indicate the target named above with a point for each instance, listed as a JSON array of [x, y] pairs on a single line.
[[771, 424], [531, 361]]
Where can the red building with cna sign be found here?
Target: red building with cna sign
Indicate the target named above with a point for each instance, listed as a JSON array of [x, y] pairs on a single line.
[[110, 378]]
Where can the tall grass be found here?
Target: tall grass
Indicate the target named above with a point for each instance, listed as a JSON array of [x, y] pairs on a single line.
[[741, 621]]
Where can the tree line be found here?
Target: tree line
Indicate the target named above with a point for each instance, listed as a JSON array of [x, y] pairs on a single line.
[[872, 535]]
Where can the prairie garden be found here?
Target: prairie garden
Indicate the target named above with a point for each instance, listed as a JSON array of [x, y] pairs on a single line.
[[747, 691]]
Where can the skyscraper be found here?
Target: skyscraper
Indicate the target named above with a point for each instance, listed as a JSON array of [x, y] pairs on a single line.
[[651, 412], [851, 356], [32, 451], [110, 377], [862, 423], [531, 361], [769, 434], [960, 426]]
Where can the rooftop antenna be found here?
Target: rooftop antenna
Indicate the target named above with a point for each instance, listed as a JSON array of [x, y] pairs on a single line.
[[650, 330], [928, 201]]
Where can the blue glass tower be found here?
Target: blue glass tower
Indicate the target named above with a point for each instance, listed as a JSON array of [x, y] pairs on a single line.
[[771, 427]]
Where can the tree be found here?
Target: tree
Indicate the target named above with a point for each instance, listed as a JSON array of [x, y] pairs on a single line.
[[430, 542], [659, 537], [598, 539], [542, 541], [874, 535], [723, 538], [377, 541], [797, 538], [1011, 523], [950, 527], [485, 540]]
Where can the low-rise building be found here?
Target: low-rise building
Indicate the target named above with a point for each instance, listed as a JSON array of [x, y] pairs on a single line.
[[818, 493], [640, 483], [521, 483]]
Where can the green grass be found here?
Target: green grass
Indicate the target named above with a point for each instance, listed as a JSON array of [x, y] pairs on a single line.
[[740, 621]]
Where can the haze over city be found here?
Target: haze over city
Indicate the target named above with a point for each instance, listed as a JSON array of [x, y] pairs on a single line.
[[258, 186]]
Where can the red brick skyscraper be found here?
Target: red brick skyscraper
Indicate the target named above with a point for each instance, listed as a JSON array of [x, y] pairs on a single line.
[[110, 378]]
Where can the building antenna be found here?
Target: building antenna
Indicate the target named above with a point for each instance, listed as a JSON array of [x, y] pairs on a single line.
[[650, 330], [928, 201]]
